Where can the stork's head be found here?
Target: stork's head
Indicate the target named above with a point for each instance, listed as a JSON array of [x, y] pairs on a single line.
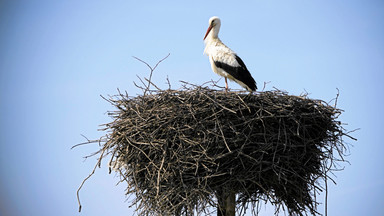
[[214, 27]]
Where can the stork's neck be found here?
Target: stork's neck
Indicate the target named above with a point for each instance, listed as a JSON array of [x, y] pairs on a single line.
[[212, 39], [214, 34], [210, 44]]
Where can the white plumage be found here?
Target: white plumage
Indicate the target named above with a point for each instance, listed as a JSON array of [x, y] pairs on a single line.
[[223, 60]]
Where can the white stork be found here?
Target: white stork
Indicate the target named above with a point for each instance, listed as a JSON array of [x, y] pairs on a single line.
[[223, 60]]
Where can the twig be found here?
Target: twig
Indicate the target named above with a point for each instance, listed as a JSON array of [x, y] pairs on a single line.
[[152, 69], [265, 84], [85, 143], [93, 171]]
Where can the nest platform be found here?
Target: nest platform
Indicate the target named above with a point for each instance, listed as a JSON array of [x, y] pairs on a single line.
[[177, 149]]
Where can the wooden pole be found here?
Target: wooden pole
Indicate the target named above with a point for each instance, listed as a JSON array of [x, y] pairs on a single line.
[[227, 203]]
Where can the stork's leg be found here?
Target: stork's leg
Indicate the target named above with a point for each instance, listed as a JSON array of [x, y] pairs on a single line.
[[226, 84]]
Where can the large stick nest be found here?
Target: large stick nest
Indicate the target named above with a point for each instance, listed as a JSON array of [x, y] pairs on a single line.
[[177, 149]]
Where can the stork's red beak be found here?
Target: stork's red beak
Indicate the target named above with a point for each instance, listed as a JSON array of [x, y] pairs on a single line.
[[208, 30]]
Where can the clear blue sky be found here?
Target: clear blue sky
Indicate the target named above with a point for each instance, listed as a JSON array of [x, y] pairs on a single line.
[[57, 57]]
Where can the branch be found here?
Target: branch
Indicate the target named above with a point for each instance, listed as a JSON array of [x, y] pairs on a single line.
[[152, 69]]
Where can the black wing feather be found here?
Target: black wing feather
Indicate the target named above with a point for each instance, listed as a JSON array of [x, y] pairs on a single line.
[[240, 73]]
